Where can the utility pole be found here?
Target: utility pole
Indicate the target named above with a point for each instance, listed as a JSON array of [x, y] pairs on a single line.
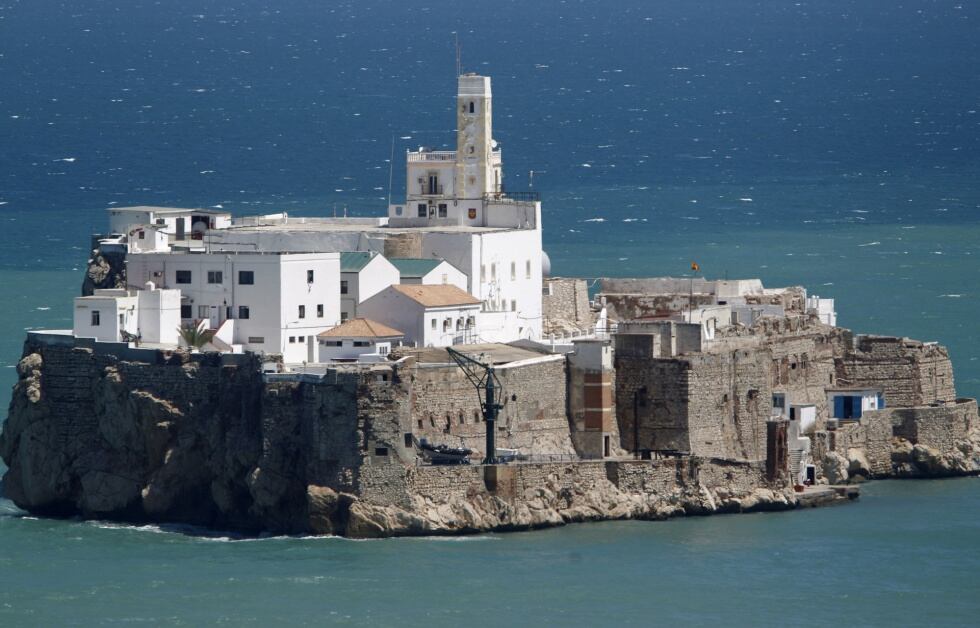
[[487, 386]]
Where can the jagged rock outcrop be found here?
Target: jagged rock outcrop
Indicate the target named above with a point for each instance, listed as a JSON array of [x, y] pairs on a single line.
[[105, 270]]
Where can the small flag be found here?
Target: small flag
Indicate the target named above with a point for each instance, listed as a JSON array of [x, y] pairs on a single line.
[[695, 267]]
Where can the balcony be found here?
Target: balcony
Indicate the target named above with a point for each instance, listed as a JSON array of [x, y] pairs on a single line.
[[431, 156]]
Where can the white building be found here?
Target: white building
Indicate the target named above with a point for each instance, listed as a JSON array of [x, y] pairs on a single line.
[[264, 302], [491, 236], [363, 274], [180, 224], [430, 316], [851, 403], [358, 339], [429, 271], [149, 315]]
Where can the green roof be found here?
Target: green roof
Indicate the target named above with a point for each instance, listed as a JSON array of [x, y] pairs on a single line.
[[354, 261], [414, 266]]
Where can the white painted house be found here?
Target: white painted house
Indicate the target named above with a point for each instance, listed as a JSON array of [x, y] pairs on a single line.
[[430, 316], [851, 403], [363, 274], [180, 224], [428, 271], [150, 315], [264, 302], [358, 340]]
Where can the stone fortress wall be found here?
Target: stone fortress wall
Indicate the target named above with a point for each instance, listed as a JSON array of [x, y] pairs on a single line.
[[104, 430]]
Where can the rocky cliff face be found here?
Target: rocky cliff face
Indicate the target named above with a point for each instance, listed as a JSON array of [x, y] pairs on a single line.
[[204, 439], [104, 271]]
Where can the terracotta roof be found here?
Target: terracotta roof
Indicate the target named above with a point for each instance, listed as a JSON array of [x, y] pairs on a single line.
[[442, 295], [360, 328]]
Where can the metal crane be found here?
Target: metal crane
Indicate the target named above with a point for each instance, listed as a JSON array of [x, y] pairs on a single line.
[[487, 385]]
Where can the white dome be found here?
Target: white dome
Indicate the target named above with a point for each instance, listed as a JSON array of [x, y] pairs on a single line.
[[545, 265]]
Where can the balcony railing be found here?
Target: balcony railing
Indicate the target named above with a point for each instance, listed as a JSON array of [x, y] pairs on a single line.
[[500, 194], [432, 156]]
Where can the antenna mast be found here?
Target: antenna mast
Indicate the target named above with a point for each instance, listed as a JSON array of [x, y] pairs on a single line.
[[391, 165], [459, 66]]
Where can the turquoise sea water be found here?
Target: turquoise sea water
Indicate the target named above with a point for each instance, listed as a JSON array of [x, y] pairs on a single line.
[[832, 144]]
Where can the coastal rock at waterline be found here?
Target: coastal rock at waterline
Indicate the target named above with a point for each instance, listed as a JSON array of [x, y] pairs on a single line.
[[835, 468], [858, 467]]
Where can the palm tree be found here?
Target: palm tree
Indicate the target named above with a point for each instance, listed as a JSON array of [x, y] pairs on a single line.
[[196, 335]]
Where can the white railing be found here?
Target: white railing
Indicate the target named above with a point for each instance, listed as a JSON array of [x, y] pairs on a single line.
[[432, 155]]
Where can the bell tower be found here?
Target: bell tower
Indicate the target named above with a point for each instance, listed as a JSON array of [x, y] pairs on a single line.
[[478, 164]]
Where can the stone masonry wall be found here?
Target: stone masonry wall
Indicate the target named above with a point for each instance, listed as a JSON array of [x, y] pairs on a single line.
[[445, 408], [909, 372], [565, 305]]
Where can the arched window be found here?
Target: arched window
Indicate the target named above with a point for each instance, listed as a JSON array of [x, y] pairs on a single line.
[[472, 107]]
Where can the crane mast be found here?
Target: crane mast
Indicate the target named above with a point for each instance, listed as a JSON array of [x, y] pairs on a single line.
[[484, 379]]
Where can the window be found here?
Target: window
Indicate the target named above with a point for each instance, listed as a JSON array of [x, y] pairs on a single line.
[[362, 343], [142, 235], [292, 339], [331, 343], [408, 439], [319, 310], [203, 311], [513, 305], [300, 338], [470, 322], [443, 210], [344, 316], [256, 340], [246, 278], [215, 276], [183, 276], [433, 324], [383, 349], [483, 272], [493, 272], [96, 318], [380, 451], [513, 271], [445, 278], [459, 324], [243, 312], [309, 276], [446, 324], [423, 210], [302, 311], [527, 269], [185, 311], [434, 184], [472, 107], [343, 286]]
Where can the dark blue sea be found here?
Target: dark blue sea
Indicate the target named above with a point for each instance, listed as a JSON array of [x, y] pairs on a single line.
[[833, 144]]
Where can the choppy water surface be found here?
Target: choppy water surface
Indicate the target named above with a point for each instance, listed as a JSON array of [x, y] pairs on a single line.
[[832, 144]]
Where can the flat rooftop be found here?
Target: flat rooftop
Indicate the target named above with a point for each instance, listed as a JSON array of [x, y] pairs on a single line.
[[497, 352], [168, 210], [294, 226]]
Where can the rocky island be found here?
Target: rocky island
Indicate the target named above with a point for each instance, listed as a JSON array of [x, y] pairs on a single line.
[[284, 375]]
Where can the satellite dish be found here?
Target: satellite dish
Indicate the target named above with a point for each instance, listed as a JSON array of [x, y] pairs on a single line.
[[493, 143]]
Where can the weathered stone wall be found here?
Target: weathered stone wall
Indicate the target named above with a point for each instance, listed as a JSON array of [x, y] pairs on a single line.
[[652, 403], [565, 305], [941, 427], [909, 372], [445, 407]]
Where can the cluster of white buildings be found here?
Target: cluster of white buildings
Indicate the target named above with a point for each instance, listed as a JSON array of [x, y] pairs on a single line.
[[460, 261]]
